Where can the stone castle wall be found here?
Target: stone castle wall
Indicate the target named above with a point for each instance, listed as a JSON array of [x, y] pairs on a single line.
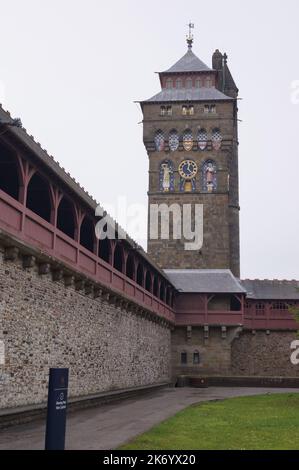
[[262, 354], [234, 353], [44, 324]]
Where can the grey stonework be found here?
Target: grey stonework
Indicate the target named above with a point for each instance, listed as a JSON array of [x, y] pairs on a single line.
[[262, 354], [221, 209], [233, 352], [45, 324]]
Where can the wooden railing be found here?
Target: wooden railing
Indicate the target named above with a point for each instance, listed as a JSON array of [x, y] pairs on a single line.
[[20, 222]]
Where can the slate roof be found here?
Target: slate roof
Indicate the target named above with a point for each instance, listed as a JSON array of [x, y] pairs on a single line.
[[190, 94], [205, 281], [271, 289], [188, 63]]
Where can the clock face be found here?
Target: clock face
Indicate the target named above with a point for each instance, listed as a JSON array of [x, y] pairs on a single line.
[[188, 169]]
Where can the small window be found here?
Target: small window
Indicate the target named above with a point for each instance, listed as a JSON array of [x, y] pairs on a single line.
[[178, 83], [210, 108], [279, 306], [188, 110], [189, 83], [169, 110], [208, 82], [260, 309], [198, 83], [196, 357], [183, 357], [169, 83], [162, 111]]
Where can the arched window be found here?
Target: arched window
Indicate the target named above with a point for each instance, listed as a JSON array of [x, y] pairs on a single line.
[[184, 358], [216, 139], [105, 250], [168, 296], [173, 140], [198, 83], [202, 139], [118, 261], [139, 277], [130, 267], [208, 82], [9, 176], [148, 281], [159, 141], [87, 234], [155, 286], [188, 140], [66, 217], [169, 83], [209, 176], [162, 291], [38, 197], [166, 176], [189, 83], [179, 83], [196, 357]]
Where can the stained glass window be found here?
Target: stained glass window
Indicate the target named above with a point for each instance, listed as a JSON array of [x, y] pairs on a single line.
[[202, 139], [159, 141], [173, 140], [216, 139], [209, 176], [188, 140]]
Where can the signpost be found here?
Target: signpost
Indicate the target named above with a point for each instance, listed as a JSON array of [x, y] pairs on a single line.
[[56, 413]]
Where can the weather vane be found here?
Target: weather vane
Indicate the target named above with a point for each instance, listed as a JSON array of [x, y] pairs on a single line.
[[190, 35]]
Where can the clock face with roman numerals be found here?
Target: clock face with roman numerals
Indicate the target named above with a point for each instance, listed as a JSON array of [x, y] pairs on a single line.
[[188, 169]]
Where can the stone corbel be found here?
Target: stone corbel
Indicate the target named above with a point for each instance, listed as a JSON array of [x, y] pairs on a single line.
[[11, 253], [28, 261], [44, 268]]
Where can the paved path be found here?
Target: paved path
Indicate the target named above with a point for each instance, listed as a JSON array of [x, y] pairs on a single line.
[[109, 426]]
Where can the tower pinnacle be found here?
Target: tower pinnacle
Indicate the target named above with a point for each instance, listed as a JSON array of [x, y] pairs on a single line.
[[190, 35]]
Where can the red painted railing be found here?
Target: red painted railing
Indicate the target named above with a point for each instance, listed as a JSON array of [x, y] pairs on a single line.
[[20, 222]]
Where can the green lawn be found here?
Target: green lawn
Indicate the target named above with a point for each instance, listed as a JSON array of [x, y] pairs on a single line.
[[260, 422]]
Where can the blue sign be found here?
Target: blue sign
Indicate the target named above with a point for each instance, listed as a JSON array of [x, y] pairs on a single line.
[[56, 413]]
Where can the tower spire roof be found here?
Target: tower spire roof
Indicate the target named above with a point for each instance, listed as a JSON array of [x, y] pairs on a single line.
[[188, 63]]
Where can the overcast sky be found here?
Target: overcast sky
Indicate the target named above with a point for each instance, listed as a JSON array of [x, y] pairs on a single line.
[[72, 70]]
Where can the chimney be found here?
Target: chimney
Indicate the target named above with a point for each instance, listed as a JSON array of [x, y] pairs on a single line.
[[217, 60]]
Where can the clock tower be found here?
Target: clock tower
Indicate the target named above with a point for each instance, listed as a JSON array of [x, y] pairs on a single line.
[[191, 137]]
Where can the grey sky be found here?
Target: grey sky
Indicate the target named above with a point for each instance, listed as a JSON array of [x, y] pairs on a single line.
[[72, 69]]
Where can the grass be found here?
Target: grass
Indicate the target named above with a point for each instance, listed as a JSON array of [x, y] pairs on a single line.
[[264, 422]]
